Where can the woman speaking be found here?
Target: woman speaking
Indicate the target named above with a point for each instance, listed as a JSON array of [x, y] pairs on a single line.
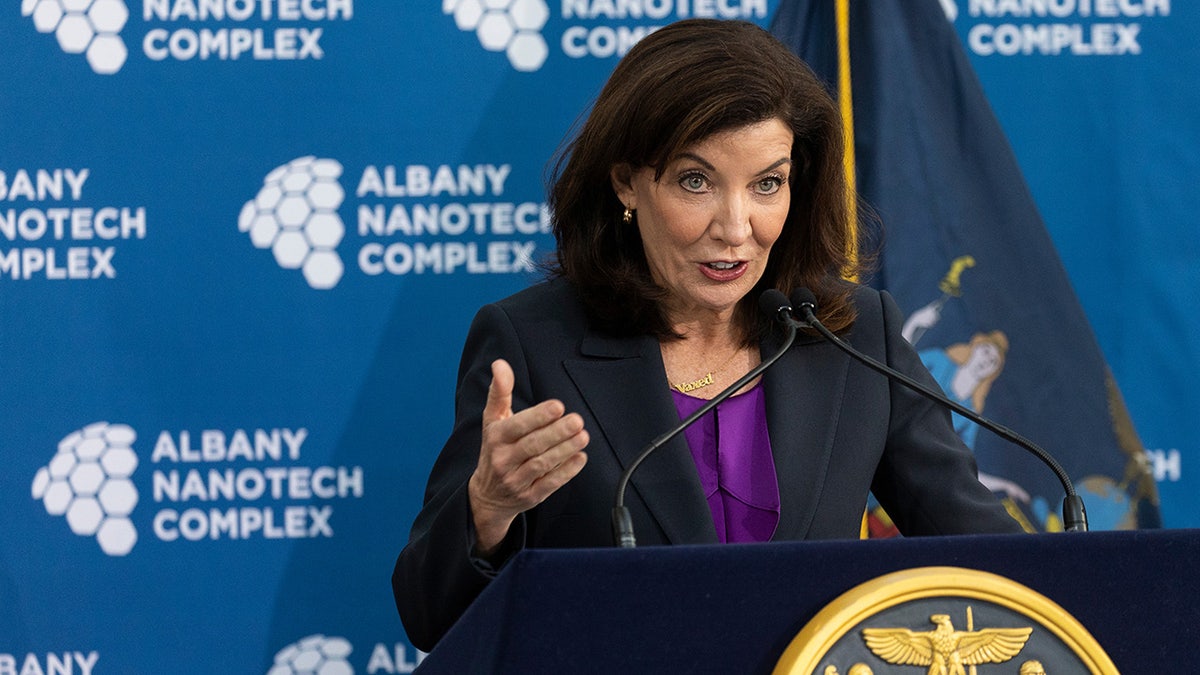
[[709, 170]]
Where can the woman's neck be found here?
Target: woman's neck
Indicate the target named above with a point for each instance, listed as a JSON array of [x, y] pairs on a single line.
[[707, 359]]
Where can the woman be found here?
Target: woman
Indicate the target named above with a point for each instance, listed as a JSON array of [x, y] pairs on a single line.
[[708, 171]]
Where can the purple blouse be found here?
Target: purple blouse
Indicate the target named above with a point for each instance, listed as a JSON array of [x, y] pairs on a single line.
[[732, 452]]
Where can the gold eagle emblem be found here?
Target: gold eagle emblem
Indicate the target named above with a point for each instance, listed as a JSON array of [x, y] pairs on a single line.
[[944, 649]]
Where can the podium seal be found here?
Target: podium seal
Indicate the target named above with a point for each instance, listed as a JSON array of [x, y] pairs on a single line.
[[943, 621]]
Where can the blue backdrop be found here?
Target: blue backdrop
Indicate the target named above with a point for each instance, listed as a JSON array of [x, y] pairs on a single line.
[[241, 241]]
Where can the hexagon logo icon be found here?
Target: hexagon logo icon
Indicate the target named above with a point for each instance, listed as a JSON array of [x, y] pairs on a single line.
[[295, 215], [88, 482], [314, 655], [89, 27], [510, 26]]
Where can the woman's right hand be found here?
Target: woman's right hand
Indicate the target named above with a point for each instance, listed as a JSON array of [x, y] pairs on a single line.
[[523, 459]]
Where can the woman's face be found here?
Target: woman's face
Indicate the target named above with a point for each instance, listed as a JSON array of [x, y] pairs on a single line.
[[708, 223], [984, 360]]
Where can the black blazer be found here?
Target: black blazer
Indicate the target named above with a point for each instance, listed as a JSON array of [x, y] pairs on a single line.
[[837, 429]]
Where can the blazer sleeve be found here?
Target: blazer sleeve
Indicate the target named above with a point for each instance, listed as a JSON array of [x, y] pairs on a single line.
[[927, 479], [436, 575]]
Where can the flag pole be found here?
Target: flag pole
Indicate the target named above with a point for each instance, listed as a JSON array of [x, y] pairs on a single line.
[[846, 105]]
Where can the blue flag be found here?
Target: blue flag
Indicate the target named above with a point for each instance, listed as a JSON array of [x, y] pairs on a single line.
[[966, 255]]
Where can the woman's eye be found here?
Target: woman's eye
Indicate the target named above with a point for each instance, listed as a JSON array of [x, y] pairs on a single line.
[[693, 182], [770, 185]]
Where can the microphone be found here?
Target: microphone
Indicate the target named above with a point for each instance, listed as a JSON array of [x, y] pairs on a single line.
[[772, 303], [1074, 515]]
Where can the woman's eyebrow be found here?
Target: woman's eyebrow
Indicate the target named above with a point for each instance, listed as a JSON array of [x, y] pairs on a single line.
[[708, 165]]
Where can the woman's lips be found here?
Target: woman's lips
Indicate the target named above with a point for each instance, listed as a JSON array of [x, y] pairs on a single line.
[[720, 270]]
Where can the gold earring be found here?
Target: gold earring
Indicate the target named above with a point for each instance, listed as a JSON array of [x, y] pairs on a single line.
[[627, 217]]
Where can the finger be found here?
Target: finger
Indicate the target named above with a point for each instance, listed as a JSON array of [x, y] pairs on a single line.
[[560, 476], [507, 453], [515, 466], [518, 426], [527, 485], [537, 466], [542, 439], [499, 398]]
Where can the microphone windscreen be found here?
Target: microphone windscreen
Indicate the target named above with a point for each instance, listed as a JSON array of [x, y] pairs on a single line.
[[771, 301], [802, 296]]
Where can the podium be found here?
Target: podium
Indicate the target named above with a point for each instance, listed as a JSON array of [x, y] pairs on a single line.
[[736, 608]]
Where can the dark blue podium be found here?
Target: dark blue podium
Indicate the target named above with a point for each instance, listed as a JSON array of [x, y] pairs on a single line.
[[735, 609]]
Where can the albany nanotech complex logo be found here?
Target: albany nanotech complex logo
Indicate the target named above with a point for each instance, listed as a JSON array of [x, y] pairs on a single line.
[[90, 27], [408, 219], [88, 480], [1067, 28], [190, 30], [295, 215], [214, 484], [597, 28], [49, 228]]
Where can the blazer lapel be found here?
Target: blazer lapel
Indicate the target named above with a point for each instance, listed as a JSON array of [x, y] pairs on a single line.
[[804, 392], [621, 381]]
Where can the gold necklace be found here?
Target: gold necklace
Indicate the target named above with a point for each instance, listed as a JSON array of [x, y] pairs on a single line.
[[686, 387]]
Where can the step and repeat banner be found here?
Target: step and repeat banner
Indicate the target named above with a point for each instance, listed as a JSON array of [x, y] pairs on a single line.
[[241, 242]]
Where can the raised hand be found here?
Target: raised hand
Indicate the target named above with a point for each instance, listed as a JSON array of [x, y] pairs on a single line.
[[523, 458]]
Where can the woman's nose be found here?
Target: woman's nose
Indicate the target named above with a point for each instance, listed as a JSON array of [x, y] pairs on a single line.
[[731, 223]]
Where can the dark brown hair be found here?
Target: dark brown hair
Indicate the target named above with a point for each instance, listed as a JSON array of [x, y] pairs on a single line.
[[676, 87]]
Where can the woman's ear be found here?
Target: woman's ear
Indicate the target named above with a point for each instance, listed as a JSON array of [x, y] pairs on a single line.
[[622, 182]]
